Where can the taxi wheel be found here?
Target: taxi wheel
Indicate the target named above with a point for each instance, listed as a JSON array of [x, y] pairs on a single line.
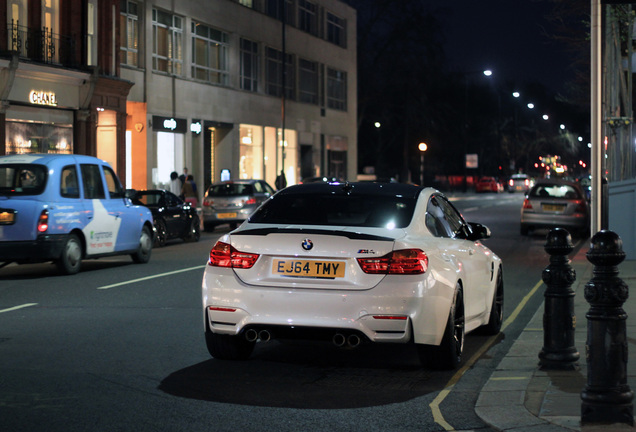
[[70, 259], [448, 354], [162, 233], [144, 250], [228, 347]]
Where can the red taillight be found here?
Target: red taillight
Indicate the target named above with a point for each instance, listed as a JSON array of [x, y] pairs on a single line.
[[390, 317], [221, 309], [527, 205], [43, 221], [581, 208], [405, 261], [224, 255], [527, 182], [207, 202], [250, 201], [511, 182]]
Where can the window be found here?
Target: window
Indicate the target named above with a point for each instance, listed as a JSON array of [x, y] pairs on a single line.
[[129, 33], [336, 89], [209, 54], [336, 30], [247, 3], [274, 8], [274, 74], [307, 17], [92, 181], [91, 33], [249, 65], [167, 31], [308, 81], [114, 187], [69, 188], [443, 220]]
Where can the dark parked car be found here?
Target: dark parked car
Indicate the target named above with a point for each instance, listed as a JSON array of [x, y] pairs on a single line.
[[233, 201], [553, 203], [173, 218]]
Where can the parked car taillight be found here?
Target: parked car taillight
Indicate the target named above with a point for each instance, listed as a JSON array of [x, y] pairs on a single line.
[[250, 201], [406, 261], [225, 255], [511, 182], [43, 221], [207, 202], [527, 205], [581, 207]]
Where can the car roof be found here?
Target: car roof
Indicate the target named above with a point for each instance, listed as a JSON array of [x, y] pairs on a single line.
[[362, 188], [48, 159]]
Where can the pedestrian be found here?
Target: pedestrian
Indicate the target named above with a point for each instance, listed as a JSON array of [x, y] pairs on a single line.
[[281, 181], [184, 176], [175, 183], [188, 190]]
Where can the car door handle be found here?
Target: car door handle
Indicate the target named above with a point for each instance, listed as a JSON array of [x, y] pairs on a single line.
[[447, 257]]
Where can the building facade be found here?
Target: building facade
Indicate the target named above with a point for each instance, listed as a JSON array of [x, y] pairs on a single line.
[[235, 89], [57, 85], [227, 88]]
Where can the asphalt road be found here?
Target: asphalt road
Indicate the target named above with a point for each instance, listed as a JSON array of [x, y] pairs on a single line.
[[119, 347]]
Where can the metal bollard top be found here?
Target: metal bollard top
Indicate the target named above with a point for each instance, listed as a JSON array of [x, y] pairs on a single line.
[[606, 249], [558, 242]]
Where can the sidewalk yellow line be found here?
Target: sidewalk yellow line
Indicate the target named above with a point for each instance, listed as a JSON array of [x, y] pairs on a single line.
[[150, 277], [26, 305], [437, 413]]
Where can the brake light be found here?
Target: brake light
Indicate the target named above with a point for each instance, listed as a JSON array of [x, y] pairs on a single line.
[[527, 205], [405, 261], [250, 201], [224, 255], [527, 182], [43, 221], [581, 208], [207, 202]]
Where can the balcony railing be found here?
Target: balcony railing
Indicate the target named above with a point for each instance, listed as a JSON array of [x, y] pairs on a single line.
[[42, 45]]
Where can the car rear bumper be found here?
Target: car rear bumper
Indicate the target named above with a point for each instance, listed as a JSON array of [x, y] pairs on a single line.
[[390, 312], [553, 221], [218, 217], [44, 248]]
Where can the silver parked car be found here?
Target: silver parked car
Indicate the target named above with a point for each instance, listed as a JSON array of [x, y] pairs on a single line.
[[553, 203], [233, 201]]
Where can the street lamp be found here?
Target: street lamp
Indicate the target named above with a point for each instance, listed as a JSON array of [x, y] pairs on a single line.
[[422, 148]]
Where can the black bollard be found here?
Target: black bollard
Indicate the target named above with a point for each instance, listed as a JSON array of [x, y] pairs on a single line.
[[607, 397], [559, 321]]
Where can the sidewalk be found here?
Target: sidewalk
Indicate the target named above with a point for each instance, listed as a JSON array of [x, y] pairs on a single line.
[[519, 397]]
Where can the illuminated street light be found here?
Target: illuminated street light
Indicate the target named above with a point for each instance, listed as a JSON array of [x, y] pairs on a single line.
[[531, 105], [545, 117], [562, 126], [422, 148], [377, 124], [488, 72], [516, 94], [580, 139]]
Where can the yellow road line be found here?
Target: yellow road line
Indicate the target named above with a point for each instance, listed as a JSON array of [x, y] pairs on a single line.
[[437, 413], [150, 277]]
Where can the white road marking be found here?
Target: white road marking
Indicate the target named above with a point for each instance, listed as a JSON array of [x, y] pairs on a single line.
[[150, 277], [11, 309]]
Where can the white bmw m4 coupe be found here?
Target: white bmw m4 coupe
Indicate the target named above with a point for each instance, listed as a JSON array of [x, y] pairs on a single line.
[[353, 263]]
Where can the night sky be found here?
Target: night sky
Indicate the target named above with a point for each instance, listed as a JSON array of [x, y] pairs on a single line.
[[507, 36]]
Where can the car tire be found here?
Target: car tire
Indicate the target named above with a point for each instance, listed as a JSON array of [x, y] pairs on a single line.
[[228, 347], [162, 233], [194, 231], [448, 354], [144, 250], [70, 260], [496, 311]]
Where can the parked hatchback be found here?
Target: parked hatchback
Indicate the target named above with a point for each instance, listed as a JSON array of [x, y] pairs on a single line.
[[65, 208], [553, 203], [233, 201]]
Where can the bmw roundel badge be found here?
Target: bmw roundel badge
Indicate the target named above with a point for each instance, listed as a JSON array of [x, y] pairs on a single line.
[[307, 244]]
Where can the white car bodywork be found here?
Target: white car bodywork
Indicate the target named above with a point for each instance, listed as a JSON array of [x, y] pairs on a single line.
[[398, 308]]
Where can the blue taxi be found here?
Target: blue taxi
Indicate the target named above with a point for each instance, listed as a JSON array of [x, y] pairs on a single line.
[[66, 208]]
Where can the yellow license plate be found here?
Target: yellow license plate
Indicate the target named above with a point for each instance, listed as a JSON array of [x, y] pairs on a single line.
[[307, 268], [226, 215], [553, 207], [7, 218]]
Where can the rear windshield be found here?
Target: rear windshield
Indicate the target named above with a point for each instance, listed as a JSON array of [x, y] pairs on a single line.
[[230, 189], [22, 179], [555, 191], [375, 211]]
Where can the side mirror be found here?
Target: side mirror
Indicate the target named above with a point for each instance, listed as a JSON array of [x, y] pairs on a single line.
[[478, 231]]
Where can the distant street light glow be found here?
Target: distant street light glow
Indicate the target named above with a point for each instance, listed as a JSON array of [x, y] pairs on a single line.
[[488, 72], [531, 105], [562, 126], [516, 94], [377, 124], [545, 117]]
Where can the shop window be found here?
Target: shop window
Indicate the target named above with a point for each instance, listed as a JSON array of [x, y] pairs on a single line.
[[25, 138]]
